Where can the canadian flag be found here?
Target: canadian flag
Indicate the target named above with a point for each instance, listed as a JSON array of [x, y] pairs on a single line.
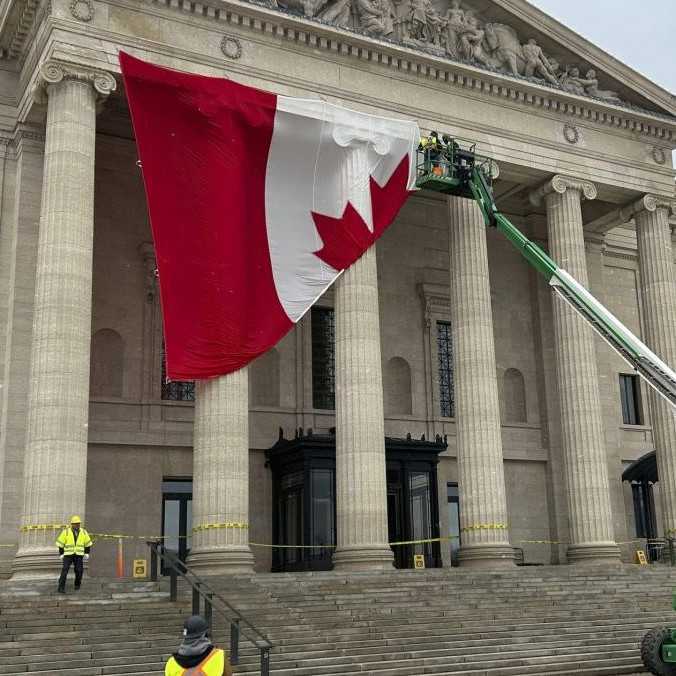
[[257, 202]]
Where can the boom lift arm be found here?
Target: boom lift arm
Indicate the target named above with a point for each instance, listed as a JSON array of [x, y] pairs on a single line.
[[447, 167]]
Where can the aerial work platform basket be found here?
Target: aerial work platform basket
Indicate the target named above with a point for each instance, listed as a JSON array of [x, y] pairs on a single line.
[[446, 164]]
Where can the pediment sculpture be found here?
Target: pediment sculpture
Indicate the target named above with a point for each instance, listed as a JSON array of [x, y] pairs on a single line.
[[453, 30]]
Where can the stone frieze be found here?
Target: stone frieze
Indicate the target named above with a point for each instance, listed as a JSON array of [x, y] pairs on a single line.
[[454, 30]]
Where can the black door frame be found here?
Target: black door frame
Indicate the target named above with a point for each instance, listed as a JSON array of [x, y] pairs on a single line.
[[183, 525]]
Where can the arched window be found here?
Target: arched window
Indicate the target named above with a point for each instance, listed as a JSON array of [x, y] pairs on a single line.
[[107, 364], [514, 396], [397, 389], [264, 380]]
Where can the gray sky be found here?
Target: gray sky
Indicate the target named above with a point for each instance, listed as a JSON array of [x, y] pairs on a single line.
[[641, 34]]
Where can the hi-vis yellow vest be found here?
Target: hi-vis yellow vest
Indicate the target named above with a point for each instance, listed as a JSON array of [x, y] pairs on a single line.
[[67, 541], [213, 664]]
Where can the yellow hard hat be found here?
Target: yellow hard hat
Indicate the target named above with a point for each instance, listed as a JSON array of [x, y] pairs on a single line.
[[74, 520]]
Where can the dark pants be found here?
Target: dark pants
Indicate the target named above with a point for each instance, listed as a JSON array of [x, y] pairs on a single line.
[[77, 562]]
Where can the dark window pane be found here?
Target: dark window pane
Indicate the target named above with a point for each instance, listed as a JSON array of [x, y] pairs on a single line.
[[420, 510], [630, 400], [639, 510], [323, 501], [176, 390], [445, 350], [323, 359], [177, 486]]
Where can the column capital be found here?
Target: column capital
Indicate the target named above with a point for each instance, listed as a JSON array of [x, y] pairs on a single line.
[[53, 72], [649, 203], [559, 184]]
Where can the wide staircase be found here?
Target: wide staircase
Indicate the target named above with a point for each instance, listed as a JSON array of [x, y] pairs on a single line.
[[540, 620]]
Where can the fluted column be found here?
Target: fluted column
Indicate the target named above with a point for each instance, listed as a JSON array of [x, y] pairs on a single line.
[[658, 292], [483, 513], [55, 469], [361, 488], [584, 449], [220, 540]]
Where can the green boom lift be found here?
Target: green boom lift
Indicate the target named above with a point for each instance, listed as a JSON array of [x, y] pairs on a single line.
[[451, 166]]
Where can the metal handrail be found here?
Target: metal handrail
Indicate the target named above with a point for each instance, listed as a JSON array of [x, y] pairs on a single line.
[[212, 599]]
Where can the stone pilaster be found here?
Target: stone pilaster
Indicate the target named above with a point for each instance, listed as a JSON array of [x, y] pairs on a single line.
[[483, 513], [55, 469], [658, 292], [220, 541], [584, 449]]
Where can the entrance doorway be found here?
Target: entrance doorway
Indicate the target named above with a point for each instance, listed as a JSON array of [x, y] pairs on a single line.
[[177, 516], [453, 497], [304, 504]]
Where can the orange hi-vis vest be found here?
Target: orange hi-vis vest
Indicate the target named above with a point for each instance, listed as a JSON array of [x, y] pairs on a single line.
[[214, 664]]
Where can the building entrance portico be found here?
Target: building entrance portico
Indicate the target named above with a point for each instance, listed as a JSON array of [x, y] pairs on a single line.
[[441, 329]]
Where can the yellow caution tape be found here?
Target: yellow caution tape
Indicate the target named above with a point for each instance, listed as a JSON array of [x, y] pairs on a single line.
[[485, 526], [391, 544], [42, 526], [262, 544], [226, 524], [422, 542]]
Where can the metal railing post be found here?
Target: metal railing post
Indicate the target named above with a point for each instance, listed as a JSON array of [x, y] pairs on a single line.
[[234, 641], [196, 600], [265, 661], [173, 584], [208, 615]]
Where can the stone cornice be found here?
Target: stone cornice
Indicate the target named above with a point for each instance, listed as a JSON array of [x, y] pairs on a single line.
[[19, 20], [53, 72], [559, 184], [318, 36]]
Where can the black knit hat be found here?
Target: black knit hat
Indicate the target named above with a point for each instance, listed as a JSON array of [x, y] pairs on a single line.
[[195, 626]]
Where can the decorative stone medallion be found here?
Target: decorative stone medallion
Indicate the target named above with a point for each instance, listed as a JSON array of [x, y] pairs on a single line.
[[82, 10], [571, 133], [231, 47], [658, 155]]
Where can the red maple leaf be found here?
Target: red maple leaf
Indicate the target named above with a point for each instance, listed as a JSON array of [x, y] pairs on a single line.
[[346, 238]]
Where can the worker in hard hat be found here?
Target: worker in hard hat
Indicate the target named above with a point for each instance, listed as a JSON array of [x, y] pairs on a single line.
[[74, 546], [197, 653]]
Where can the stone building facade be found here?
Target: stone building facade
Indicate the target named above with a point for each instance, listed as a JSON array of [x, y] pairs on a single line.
[[441, 330]]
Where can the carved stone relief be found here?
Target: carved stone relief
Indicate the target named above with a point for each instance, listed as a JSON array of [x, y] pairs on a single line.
[[231, 47], [453, 30]]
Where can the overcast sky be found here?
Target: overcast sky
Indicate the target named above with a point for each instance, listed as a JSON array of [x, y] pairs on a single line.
[[641, 34]]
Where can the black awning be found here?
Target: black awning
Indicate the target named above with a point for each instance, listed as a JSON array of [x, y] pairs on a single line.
[[643, 469]]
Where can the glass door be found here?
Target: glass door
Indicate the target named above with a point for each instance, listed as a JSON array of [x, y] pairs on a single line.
[[453, 520], [177, 517], [395, 517], [420, 511]]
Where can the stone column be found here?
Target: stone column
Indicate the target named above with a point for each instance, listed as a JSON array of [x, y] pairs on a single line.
[[584, 449], [55, 469], [483, 512], [220, 540], [361, 487], [18, 259], [658, 293]]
